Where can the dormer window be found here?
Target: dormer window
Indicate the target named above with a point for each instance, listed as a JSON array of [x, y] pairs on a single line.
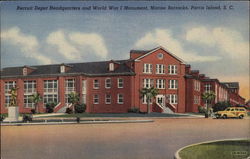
[[62, 69], [25, 72], [111, 66]]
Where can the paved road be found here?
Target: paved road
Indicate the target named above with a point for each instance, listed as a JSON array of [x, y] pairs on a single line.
[[157, 140]]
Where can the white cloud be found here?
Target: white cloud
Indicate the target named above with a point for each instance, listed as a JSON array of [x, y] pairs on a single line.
[[92, 40], [164, 38], [229, 42], [74, 45], [28, 44], [68, 46], [64, 47]]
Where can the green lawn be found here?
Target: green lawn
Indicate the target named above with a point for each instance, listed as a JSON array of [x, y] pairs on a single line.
[[231, 149]]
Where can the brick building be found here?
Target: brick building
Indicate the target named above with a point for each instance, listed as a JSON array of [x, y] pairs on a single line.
[[113, 86]]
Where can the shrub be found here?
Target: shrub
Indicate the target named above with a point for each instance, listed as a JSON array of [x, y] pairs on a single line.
[[221, 106], [50, 107], [80, 108], [133, 110], [69, 111], [2, 117], [33, 111], [201, 109], [27, 118]]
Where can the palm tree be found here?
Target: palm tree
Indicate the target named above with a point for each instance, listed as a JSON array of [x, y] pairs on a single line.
[[36, 98], [149, 93], [73, 99], [208, 97]]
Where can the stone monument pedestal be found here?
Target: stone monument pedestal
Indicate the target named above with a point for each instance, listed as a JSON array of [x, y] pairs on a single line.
[[13, 114]]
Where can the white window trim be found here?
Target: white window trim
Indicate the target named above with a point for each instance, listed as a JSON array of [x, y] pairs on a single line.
[[26, 105], [62, 69], [106, 83], [107, 98], [96, 83], [33, 89], [175, 99], [84, 86], [111, 66], [149, 70], [172, 68], [45, 96], [70, 89], [160, 69], [174, 83], [148, 83], [118, 83], [96, 96], [54, 89], [208, 87], [144, 100], [161, 82], [118, 97]]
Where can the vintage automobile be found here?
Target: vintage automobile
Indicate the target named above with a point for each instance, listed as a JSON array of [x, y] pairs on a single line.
[[232, 112]]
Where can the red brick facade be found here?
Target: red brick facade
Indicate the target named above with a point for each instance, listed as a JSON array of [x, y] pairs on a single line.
[[180, 88]]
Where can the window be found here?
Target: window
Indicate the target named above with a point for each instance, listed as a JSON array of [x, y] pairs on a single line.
[[84, 99], [144, 100], [29, 87], [148, 83], [7, 100], [50, 91], [173, 99], [50, 98], [111, 66], [84, 91], [147, 68], [96, 84], [8, 86], [120, 82], [207, 87], [160, 56], [84, 86], [196, 99], [160, 69], [62, 69], [172, 69], [120, 99], [160, 83], [50, 86], [25, 71], [28, 101], [96, 99], [196, 85], [173, 84], [108, 83], [69, 85], [108, 99]]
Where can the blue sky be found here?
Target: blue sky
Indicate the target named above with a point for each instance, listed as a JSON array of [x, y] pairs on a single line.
[[214, 41]]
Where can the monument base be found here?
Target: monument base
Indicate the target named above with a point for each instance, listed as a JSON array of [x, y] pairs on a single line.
[[13, 114]]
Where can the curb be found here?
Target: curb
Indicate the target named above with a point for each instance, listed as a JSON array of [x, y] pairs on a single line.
[[81, 122], [177, 156]]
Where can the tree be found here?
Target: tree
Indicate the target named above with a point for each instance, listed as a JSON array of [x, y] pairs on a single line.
[[208, 97], [36, 98], [149, 93], [73, 99]]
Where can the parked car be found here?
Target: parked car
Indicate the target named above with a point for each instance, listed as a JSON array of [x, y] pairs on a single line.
[[232, 112]]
